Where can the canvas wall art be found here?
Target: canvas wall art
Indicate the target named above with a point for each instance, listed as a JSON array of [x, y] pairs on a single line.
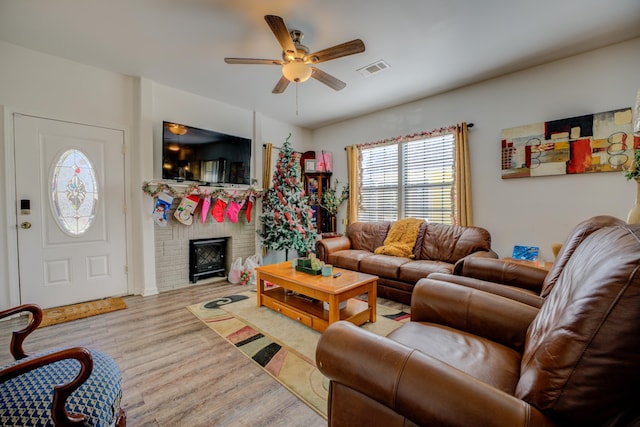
[[601, 142]]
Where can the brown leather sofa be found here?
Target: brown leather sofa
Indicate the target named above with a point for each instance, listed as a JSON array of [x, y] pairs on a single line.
[[437, 249], [523, 283], [473, 358]]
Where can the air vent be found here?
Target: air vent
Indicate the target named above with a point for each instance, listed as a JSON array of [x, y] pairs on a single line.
[[374, 68]]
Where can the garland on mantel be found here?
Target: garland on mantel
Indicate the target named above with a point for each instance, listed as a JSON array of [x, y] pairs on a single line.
[[195, 189]]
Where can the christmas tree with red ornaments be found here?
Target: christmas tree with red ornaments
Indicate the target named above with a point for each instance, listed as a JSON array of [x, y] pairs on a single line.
[[287, 217]]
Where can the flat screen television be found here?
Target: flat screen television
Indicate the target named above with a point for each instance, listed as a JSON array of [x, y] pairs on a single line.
[[204, 156]]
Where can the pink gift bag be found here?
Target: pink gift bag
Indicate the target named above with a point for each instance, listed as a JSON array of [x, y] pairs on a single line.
[[323, 161]]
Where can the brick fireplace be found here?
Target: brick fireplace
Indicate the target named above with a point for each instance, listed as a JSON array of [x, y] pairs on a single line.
[[172, 245]]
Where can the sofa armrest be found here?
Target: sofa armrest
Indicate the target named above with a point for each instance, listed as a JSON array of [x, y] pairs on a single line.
[[457, 267], [422, 388], [503, 271], [482, 254], [324, 247], [515, 293], [471, 310]]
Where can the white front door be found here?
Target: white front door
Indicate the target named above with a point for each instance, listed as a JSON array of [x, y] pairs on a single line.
[[70, 213]]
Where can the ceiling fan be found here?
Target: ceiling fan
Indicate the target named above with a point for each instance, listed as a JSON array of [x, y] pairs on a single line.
[[297, 64]]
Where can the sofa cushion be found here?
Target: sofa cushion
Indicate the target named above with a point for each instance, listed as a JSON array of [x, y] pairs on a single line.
[[450, 243], [383, 265], [418, 246], [348, 258], [367, 236], [486, 360], [419, 269]]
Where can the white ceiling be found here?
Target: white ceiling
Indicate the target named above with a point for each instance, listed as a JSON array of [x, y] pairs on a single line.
[[431, 45]]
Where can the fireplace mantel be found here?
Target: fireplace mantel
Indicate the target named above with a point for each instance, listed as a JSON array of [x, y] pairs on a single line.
[[182, 189]]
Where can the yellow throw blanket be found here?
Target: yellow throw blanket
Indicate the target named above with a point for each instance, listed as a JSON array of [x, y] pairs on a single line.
[[401, 238]]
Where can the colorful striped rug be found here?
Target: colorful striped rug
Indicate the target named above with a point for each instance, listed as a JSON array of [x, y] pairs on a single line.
[[281, 346]]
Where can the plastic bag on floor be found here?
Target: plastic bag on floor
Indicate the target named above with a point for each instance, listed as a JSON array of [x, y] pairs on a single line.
[[235, 271]]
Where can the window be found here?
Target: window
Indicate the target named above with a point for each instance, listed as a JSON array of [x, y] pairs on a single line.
[[74, 192], [408, 179]]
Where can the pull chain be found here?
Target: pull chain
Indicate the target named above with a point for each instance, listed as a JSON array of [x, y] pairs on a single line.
[[296, 99]]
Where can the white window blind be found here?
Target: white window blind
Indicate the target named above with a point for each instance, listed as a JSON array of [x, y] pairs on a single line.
[[379, 184], [409, 179]]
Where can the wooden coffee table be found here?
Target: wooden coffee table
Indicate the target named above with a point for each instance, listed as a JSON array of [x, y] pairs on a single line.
[[310, 292]]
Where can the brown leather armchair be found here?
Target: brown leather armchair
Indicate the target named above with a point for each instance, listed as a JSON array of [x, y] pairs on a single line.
[[473, 358], [523, 283]]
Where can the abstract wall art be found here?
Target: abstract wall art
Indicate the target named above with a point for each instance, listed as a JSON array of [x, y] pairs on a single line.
[[601, 142]]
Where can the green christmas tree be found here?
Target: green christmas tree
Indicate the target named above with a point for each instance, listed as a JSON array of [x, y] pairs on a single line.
[[287, 217]]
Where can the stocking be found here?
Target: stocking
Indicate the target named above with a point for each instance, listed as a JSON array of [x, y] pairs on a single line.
[[163, 203], [233, 210], [184, 212], [206, 203], [218, 208], [250, 201]]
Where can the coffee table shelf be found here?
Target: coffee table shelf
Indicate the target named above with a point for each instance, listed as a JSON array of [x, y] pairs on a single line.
[[310, 292], [312, 313]]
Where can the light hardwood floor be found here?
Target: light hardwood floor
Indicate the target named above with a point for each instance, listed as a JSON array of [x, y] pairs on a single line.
[[176, 371]]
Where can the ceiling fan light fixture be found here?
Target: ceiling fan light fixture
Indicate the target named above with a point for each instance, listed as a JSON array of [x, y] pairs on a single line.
[[297, 64], [296, 71]]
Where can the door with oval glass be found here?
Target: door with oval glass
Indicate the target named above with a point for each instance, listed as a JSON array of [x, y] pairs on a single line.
[[70, 213]]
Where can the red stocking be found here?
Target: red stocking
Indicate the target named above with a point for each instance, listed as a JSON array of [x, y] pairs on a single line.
[[250, 201], [218, 208]]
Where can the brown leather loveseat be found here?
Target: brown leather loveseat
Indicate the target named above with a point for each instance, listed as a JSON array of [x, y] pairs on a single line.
[[473, 358], [437, 249]]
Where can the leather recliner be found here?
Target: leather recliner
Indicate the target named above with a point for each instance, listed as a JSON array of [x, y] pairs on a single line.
[[472, 358], [523, 283]]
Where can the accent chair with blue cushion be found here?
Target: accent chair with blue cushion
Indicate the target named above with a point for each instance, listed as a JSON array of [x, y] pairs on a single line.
[[63, 387]]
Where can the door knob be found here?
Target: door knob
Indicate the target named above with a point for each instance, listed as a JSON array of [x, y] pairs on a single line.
[[25, 225]]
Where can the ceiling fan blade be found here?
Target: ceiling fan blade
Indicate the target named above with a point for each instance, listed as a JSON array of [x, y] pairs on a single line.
[[281, 85], [338, 51], [252, 61], [279, 30], [327, 79]]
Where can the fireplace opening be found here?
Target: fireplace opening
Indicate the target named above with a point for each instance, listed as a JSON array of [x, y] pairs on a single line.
[[207, 258]]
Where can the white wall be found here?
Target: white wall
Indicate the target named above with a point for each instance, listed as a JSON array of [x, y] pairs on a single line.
[[530, 211], [193, 110], [537, 211], [47, 86], [39, 84], [182, 107]]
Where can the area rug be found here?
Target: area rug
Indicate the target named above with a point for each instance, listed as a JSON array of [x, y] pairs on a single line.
[[281, 346], [52, 316]]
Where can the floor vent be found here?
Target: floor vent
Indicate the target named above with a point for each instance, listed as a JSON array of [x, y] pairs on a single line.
[[374, 68]]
